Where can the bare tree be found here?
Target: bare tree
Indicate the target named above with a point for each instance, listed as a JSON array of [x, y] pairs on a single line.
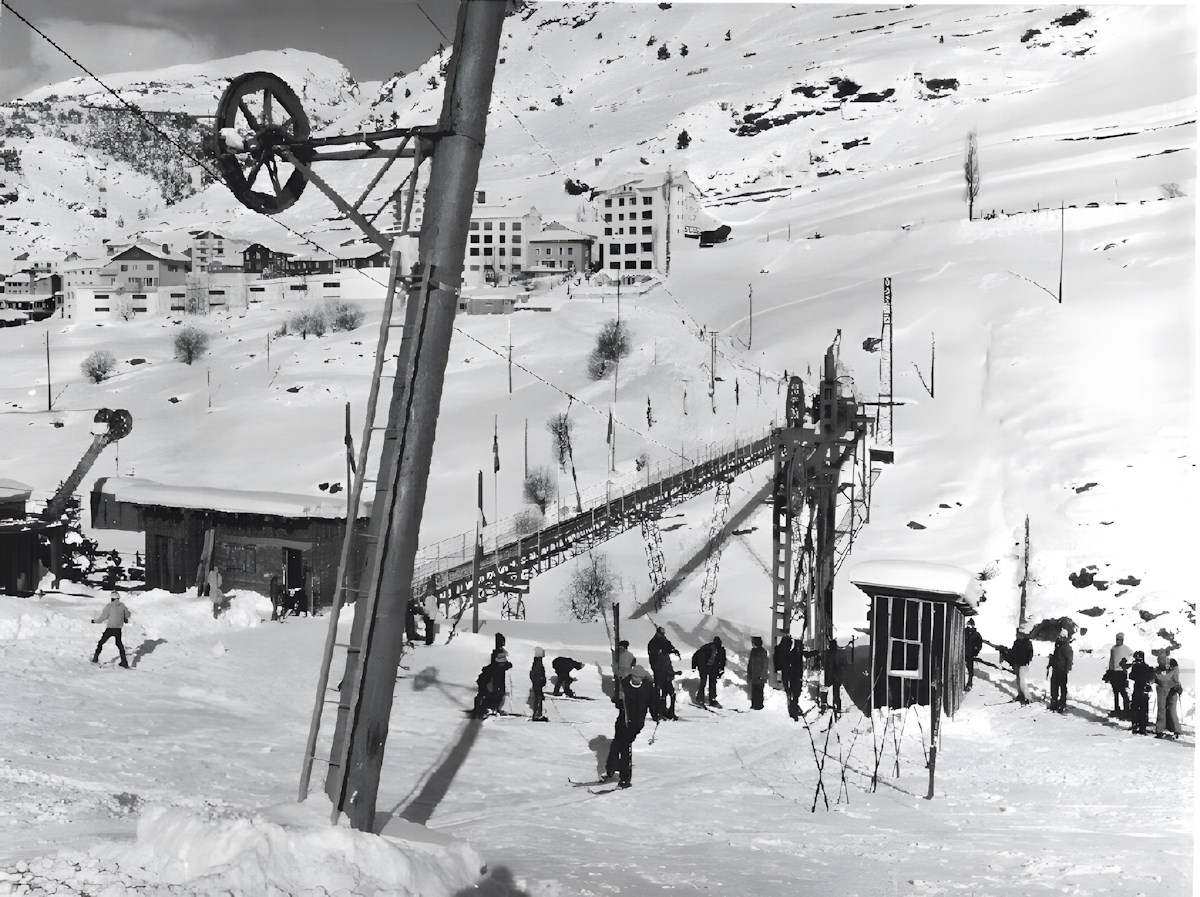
[[190, 344], [971, 173], [612, 344], [559, 426], [591, 589], [98, 365], [540, 487]]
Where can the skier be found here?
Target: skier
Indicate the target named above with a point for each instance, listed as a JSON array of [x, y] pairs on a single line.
[[1118, 675], [631, 717], [537, 679], [783, 663], [623, 661], [1019, 657], [562, 674], [114, 616], [709, 660], [659, 651], [491, 684], [1167, 679], [757, 670], [1140, 675], [1059, 667], [973, 642]]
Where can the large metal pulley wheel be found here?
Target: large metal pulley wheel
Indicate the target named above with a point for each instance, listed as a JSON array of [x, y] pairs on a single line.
[[260, 129]]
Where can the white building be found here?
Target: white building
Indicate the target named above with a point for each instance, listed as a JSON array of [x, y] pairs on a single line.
[[497, 242], [645, 221]]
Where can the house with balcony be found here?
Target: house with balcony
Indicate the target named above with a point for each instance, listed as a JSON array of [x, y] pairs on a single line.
[[208, 248], [645, 221]]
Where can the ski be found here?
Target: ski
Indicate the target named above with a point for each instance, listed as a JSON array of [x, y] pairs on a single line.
[[605, 790], [591, 784]]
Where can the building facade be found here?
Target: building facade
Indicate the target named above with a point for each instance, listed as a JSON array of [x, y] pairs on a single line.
[[497, 242], [646, 220], [559, 248]]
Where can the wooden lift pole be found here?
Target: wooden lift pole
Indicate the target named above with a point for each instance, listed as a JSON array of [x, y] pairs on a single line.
[[361, 731]]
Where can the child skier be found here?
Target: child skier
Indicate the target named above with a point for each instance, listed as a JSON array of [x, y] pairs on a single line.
[[537, 680]]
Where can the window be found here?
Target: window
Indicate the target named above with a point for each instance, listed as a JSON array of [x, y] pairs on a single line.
[[648, 214], [904, 638], [124, 267], [487, 225], [501, 225], [516, 238], [608, 231], [608, 217], [101, 308], [614, 248], [630, 263], [332, 284], [502, 238], [474, 238], [630, 248], [502, 250], [516, 226], [474, 250], [239, 558], [474, 267], [487, 238], [487, 251], [474, 225], [647, 230], [515, 268], [646, 200], [621, 217], [646, 264], [516, 254], [621, 201], [608, 203], [647, 247], [570, 250], [614, 266], [299, 286]]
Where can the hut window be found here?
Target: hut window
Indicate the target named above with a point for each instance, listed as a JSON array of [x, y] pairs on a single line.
[[904, 638], [238, 558]]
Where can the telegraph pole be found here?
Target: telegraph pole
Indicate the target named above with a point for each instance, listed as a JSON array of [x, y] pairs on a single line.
[[377, 638]]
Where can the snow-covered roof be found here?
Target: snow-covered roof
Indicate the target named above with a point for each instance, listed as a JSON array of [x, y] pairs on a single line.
[[12, 314], [921, 576], [139, 491], [11, 490], [560, 235]]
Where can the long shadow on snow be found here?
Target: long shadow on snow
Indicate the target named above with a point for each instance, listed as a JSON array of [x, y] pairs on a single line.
[[420, 808]]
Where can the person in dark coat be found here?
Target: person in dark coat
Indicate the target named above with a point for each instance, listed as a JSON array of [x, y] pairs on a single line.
[[276, 599], [973, 644], [709, 660], [659, 650], [795, 679], [631, 717], [758, 668], [563, 666], [491, 683], [783, 662], [537, 683], [1141, 676], [1019, 657], [1059, 668]]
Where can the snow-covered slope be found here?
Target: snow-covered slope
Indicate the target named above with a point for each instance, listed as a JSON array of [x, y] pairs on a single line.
[[1076, 414]]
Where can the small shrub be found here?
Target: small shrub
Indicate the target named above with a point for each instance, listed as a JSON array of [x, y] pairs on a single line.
[[1171, 191], [560, 427], [556, 100], [683, 140], [540, 488], [576, 188], [98, 365], [190, 344], [612, 344], [663, 52], [683, 50], [1072, 18], [342, 315], [653, 40], [309, 320]]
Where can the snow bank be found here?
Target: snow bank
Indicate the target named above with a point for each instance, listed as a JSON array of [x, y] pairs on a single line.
[[285, 849]]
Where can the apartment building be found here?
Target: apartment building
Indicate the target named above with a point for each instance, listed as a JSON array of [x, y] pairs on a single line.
[[645, 220]]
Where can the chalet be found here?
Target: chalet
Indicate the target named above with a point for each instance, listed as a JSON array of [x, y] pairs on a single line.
[[255, 536], [561, 249], [645, 220], [142, 268], [263, 260], [361, 255], [23, 555], [917, 616]]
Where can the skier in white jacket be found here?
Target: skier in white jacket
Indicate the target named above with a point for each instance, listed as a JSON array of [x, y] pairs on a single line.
[[114, 616]]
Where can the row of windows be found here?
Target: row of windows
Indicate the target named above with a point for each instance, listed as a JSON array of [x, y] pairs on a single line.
[[549, 250], [487, 225], [630, 248], [515, 268], [646, 231], [487, 238], [646, 200], [630, 264], [646, 216], [488, 251]]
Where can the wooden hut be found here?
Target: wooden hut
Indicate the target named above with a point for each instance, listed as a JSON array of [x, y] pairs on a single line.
[[256, 536], [917, 616], [24, 541]]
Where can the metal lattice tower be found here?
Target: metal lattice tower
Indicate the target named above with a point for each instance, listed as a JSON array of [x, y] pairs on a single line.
[[652, 539], [886, 367], [712, 563]]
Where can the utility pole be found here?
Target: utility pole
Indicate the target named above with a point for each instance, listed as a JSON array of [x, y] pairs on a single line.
[[750, 342], [1062, 246], [510, 357], [49, 399], [377, 634]]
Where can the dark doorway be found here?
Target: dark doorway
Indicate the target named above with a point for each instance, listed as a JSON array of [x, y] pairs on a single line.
[[166, 571]]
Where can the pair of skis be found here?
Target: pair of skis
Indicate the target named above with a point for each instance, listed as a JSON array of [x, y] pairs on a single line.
[[593, 787]]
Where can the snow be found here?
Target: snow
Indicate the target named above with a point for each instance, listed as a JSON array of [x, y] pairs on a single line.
[[179, 776], [922, 575], [140, 491]]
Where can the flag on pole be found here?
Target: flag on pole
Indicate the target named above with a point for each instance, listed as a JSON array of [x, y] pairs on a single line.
[[482, 519], [609, 439], [496, 446]]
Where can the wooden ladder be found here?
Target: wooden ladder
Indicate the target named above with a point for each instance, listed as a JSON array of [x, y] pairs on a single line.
[[345, 573]]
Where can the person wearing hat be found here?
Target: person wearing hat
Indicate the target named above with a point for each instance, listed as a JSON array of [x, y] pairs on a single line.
[[973, 644], [1169, 689], [1020, 656], [758, 667], [1140, 676], [537, 681], [659, 651], [491, 683], [114, 616], [1118, 675], [623, 661], [1059, 668], [631, 717]]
